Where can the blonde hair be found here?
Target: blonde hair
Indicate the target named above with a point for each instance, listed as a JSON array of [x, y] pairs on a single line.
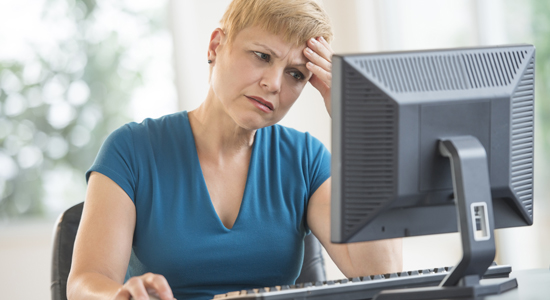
[[297, 20]]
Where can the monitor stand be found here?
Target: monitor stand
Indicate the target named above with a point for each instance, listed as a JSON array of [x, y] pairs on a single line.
[[472, 192]]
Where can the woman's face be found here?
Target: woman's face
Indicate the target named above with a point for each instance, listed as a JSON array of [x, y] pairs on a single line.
[[257, 78]]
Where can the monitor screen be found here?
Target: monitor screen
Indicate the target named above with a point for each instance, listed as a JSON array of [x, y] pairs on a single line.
[[390, 112]]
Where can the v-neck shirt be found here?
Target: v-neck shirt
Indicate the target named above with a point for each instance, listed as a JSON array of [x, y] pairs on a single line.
[[178, 233]]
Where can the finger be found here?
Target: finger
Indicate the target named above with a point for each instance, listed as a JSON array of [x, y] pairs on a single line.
[[325, 43], [320, 48], [123, 294], [159, 285], [318, 60], [136, 288], [321, 73]]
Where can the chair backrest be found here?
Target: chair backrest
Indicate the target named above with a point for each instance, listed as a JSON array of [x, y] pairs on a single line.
[[313, 267], [64, 236]]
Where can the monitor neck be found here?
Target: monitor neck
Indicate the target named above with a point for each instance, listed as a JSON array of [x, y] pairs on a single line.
[[472, 190], [472, 195]]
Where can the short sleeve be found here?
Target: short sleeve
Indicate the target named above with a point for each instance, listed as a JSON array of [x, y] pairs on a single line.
[[116, 160], [318, 163]]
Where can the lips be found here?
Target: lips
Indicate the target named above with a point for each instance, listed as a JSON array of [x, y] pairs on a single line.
[[261, 101]]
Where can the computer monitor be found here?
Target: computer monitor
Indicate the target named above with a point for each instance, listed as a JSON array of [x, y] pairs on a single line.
[[435, 141]]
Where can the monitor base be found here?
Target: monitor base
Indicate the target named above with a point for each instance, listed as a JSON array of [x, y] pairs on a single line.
[[453, 292]]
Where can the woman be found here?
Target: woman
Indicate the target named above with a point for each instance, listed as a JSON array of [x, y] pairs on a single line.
[[220, 198]]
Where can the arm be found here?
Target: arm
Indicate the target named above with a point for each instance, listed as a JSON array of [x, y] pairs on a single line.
[[103, 246], [356, 259]]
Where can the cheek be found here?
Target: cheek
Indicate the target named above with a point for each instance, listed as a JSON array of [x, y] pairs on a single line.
[[235, 74], [291, 94], [294, 89], [242, 72]]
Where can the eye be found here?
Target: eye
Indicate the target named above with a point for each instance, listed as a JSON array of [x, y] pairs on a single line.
[[262, 56], [297, 75]]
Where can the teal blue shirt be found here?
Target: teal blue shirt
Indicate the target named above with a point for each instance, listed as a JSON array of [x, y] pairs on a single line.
[[178, 233]]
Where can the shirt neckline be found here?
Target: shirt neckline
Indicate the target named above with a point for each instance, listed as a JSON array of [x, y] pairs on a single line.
[[203, 181]]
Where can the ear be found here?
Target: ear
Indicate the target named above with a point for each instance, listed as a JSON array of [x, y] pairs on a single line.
[[216, 39]]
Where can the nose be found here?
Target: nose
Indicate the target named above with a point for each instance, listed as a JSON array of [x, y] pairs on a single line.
[[272, 79]]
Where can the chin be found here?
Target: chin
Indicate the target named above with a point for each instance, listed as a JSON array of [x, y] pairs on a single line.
[[253, 121]]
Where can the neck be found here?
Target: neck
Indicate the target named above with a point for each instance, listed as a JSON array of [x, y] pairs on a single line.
[[216, 133]]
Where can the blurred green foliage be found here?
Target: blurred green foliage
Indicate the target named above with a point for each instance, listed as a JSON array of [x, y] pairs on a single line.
[[540, 28], [541, 39], [57, 106]]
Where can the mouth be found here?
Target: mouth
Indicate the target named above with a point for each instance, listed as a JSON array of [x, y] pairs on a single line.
[[262, 101]]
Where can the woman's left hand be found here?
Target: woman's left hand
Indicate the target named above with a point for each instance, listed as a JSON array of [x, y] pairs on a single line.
[[319, 53]]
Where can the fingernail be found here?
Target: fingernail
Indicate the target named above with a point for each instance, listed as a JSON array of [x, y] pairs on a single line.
[[313, 41], [308, 50], [322, 38]]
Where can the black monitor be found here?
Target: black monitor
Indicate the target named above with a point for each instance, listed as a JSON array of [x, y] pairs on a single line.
[[436, 141]]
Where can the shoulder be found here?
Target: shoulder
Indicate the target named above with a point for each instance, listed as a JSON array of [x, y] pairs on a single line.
[[150, 134], [165, 128], [150, 126]]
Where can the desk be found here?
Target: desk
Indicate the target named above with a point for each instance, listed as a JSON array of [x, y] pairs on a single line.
[[532, 284]]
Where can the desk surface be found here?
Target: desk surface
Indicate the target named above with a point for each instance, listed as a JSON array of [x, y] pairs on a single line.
[[532, 284]]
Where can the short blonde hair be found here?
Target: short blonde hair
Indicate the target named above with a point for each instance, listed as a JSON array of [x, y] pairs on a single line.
[[296, 20]]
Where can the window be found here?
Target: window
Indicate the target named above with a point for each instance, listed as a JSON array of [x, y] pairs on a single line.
[[72, 71]]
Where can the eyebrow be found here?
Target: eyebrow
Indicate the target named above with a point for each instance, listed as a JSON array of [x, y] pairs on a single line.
[[275, 54], [267, 48]]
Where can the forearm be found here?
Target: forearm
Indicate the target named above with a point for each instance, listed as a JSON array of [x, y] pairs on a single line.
[[376, 257], [91, 286]]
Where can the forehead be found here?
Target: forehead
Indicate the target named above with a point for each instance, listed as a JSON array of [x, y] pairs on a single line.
[[254, 36]]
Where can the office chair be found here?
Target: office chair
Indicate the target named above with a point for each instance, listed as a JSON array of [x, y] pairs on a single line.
[[313, 267]]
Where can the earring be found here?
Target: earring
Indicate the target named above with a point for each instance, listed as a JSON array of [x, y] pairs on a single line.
[[209, 61]]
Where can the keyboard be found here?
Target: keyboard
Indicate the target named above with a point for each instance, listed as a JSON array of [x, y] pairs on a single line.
[[356, 288]]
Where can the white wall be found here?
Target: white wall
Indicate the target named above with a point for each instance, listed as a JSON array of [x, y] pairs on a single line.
[[25, 258]]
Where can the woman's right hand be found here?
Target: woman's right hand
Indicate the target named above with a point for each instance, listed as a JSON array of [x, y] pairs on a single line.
[[101, 254], [140, 287]]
